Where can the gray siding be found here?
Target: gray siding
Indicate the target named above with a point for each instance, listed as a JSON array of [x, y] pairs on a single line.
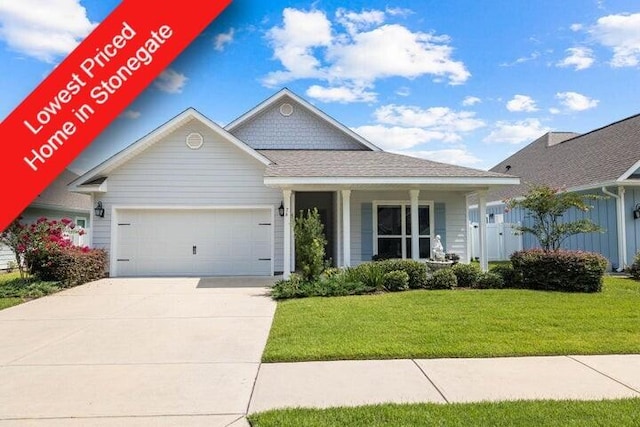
[[302, 130], [455, 235], [171, 174]]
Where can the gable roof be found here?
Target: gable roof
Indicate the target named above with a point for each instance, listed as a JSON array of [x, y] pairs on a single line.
[[286, 93], [604, 156], [90, 179], [57, 197], [370, 166]]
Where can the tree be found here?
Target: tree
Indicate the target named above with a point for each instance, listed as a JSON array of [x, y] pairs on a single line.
[[310, 243], [547, 206]]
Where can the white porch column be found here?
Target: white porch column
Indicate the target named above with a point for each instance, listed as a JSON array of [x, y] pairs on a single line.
[[467, 229], [346, 228], [293, 237], [622, 230], [482, 220], [286, 194], [415, 224]]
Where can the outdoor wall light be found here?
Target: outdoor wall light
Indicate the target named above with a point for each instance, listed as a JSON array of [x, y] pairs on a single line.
[[281, 209], [99, 210], [636, 211]]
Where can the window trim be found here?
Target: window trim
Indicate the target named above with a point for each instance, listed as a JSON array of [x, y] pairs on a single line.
[[403, 215]]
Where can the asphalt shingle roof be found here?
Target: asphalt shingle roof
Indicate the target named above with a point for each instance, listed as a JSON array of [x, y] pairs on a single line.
[[331, 163], [600, 156]]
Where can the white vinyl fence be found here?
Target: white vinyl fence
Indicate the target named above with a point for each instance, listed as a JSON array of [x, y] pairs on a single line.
[[502, 240]]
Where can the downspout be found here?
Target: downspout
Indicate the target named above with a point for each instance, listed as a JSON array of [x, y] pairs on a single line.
[[622, 231]]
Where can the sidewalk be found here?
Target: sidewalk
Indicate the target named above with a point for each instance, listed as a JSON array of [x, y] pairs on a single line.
[[352, 383]]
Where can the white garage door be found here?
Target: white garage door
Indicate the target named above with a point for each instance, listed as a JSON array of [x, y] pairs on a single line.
[[229, 242]]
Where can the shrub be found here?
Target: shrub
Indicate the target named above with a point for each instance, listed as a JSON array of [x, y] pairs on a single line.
[[369, 274], [416, 270], [466, 274], [396, 280], [71, 266], [297, 287], [634, 270], [509, 276], [489, 280], [293, 287], [310, 243], [442, 279], [569, 271]]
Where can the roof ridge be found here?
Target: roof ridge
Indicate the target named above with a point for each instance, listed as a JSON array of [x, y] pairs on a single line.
[[601, 128]]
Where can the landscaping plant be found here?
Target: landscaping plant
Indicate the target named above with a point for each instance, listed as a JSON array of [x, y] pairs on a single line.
[[634, 270], [547, 205], [310, 243]]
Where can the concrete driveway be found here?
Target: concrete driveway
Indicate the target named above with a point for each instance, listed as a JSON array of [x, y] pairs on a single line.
[[142, 352]]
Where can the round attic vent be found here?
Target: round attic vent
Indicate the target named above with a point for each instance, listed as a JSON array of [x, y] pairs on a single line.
[[286, 109], [194, 140]]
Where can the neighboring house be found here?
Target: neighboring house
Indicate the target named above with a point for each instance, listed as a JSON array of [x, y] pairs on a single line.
[[605, 162], [56, 202], [193, 198]]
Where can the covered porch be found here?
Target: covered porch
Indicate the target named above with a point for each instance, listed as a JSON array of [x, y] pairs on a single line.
[[387, 221]]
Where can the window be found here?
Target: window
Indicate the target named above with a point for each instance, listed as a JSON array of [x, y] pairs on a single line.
[[392, 226]]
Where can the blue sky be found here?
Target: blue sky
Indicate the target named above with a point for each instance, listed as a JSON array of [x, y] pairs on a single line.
[[463, 82]]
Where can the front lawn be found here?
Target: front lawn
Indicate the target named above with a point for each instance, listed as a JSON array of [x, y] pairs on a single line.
[[617, 413], [458, 323], [14, 290]]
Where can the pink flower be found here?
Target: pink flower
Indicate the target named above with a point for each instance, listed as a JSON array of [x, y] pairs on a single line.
[[66, 221]]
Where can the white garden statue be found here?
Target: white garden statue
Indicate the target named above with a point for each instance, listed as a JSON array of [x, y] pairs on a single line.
[[438, 250]]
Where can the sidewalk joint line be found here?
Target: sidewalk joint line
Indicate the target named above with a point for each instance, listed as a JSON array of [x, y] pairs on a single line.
[[235, 421], [253, 388], [603, 374], [74, 417], [429, 379]]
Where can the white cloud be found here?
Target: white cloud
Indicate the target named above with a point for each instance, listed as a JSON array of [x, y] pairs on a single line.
[[580, 58], [470, 101], [441, 119], [45, 30], [554, 110], [516, 132], [455, 156], [309, 45], [223, 39], [574, 101], [131, 114], [342, 94], [576, 27], [399, 11], [402, 138], [171, 81], [403, 91], [622, 34], [522, 103], [534, 55], [355, 22]]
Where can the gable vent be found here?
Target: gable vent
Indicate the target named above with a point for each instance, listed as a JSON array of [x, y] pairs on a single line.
[[286, 109], [194, 140]]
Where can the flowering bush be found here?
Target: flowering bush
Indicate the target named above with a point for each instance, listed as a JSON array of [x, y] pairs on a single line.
[[45, 248]]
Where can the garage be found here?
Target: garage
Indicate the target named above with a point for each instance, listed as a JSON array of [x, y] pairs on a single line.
[[193, 242]]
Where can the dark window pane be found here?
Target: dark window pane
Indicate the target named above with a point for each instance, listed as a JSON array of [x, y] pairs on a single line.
[[423, 218], [408, 246], [389, 221], [390, 248], [425, 247], [407, 221]]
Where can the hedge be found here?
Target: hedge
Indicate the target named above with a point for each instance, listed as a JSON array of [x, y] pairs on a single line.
[[568, 271]]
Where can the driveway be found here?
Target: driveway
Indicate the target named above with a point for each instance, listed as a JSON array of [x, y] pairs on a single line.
[[158, 352]]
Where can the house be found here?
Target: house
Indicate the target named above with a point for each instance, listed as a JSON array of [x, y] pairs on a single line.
[[193, 198], [56, 202], [605, 162]]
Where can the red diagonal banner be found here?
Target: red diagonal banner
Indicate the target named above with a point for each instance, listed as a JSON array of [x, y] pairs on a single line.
[[89, 89]]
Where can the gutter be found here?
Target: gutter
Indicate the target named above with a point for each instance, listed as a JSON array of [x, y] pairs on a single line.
[[622, 231]]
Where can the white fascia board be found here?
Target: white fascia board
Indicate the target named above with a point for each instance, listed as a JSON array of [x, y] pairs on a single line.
[[494, 203], [630, 171], [290, 181]]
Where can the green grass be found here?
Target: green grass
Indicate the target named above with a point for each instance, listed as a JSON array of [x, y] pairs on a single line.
[[458, 323], [617, 413], [14, 290]]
